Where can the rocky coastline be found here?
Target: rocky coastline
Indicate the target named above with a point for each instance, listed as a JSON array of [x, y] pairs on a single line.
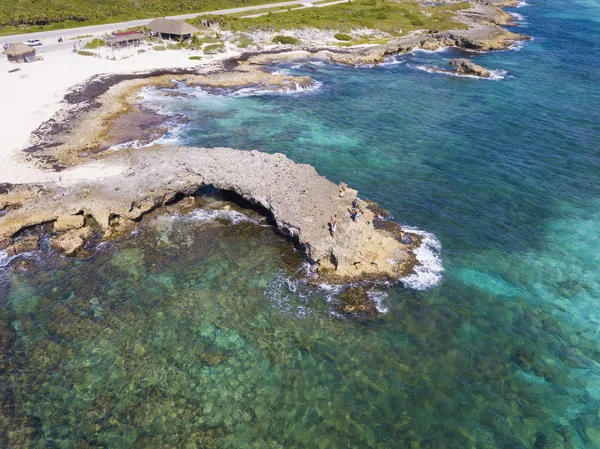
[[295, 196], [298, 200]]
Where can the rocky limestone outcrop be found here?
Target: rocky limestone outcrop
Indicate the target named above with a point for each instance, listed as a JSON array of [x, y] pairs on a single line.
[[298, 198], [72, 241], [466, 67], [477, 37], [68, 222]]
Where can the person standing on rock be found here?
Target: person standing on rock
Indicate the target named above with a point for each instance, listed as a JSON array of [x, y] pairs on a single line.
[[355, 211], [332, 225]]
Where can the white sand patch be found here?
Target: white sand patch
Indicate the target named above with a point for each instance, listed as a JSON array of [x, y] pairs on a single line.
[[34, 93]]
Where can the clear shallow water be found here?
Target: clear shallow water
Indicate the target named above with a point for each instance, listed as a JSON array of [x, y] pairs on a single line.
[[200, 335]]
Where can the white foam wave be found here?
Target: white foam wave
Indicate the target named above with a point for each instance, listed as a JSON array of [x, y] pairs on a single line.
[[285, 293], [522, 4], [281, 72], [495, 75], [378, 297], [233, 216], [422, 50], [293, 89], [131, 144], [517, 46], [429, 272], [387, 63], [171, 137], [308, 270], [5, 259], [519, 17]]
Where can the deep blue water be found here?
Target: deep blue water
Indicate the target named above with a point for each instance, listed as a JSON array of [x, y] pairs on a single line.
[[230, 351]]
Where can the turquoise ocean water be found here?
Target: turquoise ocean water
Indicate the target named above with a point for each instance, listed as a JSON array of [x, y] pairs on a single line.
[[198, 331]]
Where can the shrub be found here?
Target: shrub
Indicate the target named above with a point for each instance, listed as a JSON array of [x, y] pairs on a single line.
[[195, 58], [86, 53], [177, 46], [209, 40], [213, 49], [286, 40], [342, 37], [244, 41], [96, 43], [160, 48]]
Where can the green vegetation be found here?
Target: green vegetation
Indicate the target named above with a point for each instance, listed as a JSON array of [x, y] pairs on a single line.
[[195, 58], [244, 41], [286, 40], [213, 49], [342, 37], [86, 53], [177, 46], [394, 17], [264, 11], [159, 48], [25, 16], [363, 41], [96, 43]]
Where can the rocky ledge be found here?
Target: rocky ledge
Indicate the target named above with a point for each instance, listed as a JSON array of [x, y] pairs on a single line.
[[299, 200]]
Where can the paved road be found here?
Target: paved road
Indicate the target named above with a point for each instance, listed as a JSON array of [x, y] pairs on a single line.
[[50, 38]]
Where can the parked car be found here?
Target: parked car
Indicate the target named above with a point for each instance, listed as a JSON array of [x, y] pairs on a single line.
[[8, 44], [33, 42]]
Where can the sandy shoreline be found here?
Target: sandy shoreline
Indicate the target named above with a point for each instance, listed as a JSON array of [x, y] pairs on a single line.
[[36, 93]]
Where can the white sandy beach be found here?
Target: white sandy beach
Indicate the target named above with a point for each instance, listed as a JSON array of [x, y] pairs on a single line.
[[34, 93]]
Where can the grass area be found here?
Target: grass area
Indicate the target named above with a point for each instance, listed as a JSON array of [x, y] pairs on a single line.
[[195, 58], [28, 16], [96, 43], [322, 2], [286, 40], [265, 11], [243, 41], [394, 17], [177, 46], [213, 49], [342, 37], [363, 41]]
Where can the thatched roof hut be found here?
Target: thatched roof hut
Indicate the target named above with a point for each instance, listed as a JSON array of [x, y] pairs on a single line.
[[19, 52], [126, 38], [170, 28]]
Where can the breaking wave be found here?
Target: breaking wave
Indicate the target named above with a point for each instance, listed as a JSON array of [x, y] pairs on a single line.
[[429, 272], [233, 216], [495, 75]]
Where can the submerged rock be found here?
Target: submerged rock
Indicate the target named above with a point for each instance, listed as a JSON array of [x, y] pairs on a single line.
[[466, 67], [356, 300]]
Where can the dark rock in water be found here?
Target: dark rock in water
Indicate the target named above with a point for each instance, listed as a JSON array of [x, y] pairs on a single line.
[[466, 67], [541, 441], [378, 211], [356, 300], [29, 243], [569, 288], [523, 359], [4, 243]]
